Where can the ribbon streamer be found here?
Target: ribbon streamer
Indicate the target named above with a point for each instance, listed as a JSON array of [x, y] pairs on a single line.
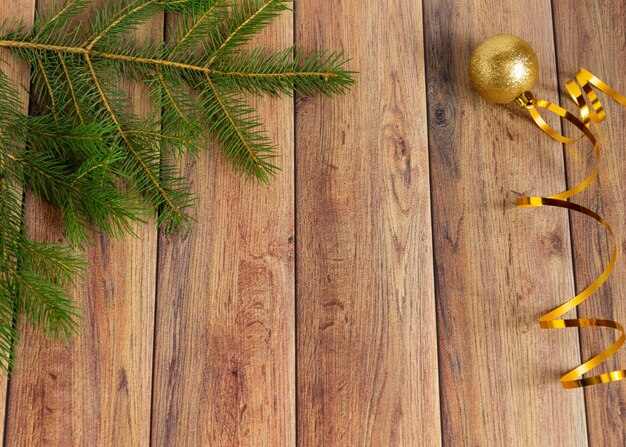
[[579, 88]]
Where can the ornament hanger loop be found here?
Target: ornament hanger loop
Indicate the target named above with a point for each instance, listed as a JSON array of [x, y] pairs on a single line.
[[525, 100]]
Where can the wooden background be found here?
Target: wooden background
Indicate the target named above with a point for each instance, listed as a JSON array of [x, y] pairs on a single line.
[[383, 290]]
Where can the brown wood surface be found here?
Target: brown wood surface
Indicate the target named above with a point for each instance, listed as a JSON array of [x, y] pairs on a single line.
[[497, 267], [601, 50], [333, 307], [225, 340], [18, 72], [96, 389], [367, 365]]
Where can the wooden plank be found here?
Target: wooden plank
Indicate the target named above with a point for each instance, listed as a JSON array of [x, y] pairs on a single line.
[[591, 35], [96, 389], [366, 342], [19, 73], [497, 268], [224, 363]]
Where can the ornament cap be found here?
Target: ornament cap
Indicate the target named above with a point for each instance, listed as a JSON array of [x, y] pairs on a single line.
[[525, 100], [502, 68]]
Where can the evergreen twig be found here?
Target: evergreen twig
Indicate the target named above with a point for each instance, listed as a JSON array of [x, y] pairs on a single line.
[[85, 142]]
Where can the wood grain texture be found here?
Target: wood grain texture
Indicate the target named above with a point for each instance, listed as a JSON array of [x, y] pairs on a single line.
[[367, 365], [96, 389], [19, 73], [591, 35], [225, 358], [389, 352], [497, 267]]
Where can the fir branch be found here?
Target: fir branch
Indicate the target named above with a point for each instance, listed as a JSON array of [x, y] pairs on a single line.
[[261, 71], [246, 148], [46, 82], [143, 165], [203, 19], [8, 313], [103, 166], [319, 72], [10, 233], [116, 19], [248, 19], [59, 23], [169, 97], [46, 304], [70, 85], [53, 261], [34, 276]]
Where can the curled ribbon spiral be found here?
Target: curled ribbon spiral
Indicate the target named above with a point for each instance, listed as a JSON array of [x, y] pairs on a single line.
[[578, 89]]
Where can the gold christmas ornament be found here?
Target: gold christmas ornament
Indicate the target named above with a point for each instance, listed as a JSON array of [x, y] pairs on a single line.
[[502, 68]]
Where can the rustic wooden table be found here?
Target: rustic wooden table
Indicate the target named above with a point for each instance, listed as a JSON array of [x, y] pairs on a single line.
[[383, 290]]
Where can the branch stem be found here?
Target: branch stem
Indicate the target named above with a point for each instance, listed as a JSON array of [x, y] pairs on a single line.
[[230, 118], [236, 31], [149, 61], [124, 137]]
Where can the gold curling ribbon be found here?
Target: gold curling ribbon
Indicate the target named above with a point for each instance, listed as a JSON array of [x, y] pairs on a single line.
[[578, 89]]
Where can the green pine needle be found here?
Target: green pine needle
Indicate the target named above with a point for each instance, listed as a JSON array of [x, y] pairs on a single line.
[[104, 167]]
